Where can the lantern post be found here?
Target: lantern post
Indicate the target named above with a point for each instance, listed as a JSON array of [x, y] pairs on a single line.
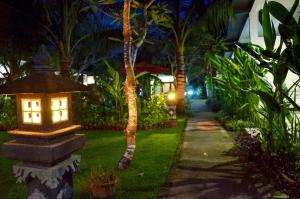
[[171, 106], [45, 138]]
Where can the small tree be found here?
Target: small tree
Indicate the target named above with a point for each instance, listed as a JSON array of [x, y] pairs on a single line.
[[150, 14]]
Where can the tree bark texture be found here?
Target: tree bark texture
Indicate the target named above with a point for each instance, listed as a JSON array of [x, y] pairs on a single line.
[[64, 68], [64, 61], [180, 81], [129, 89]]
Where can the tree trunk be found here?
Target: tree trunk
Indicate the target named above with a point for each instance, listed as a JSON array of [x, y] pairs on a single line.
[[64, 68], [180, 79], [64, 61], [129, 89]]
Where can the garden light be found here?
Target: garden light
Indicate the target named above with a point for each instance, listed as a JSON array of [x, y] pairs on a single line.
[[171, 107], [190, 92], [59, 109], [45, 138], [31, 111], [171, 96]]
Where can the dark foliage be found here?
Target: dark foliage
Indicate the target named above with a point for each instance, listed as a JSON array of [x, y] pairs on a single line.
[[8, 120], [281, 167]]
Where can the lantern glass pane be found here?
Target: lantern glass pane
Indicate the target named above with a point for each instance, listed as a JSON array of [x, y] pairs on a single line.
[[63, 103], [27, 117], [55, 104], [26, 105], [55, 116], [36, 118], [31, 111], [64, 115], [59, 109], [35, 105]]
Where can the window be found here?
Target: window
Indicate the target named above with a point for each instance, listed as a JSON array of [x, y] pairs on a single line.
[[31, 110], [59, 108]]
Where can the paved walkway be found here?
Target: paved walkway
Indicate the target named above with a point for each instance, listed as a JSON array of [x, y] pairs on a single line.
[[205, 169]]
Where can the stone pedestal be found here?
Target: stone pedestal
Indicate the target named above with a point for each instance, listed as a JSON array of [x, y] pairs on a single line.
[[48, 182]]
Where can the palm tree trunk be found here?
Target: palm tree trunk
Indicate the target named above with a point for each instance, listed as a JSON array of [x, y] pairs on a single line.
[[129, 89], [64, 61], [64, 67], [180, 81]]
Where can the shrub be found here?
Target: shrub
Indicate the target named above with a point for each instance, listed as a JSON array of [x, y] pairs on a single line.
[[8, 119], [92, 113], [233, 124], [153, 113]]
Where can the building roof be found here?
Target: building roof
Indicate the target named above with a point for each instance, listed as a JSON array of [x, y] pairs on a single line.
[[146, 67], [42, 80]]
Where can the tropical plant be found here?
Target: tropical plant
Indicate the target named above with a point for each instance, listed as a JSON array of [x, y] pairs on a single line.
[[13, 65], [278, 62], [111, 88], [182, 23], [237, 77], [61, 21]]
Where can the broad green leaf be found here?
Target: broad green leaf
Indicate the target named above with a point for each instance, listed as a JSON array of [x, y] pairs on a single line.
[[296, 58], [269, 100], [296, 106], [280, 72], [280, 12], [286, 32], [249, 50], [268, 28], [294, 7]]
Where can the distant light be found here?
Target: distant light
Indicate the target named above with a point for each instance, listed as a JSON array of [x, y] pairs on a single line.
[[185, 93], [171, 96], [166, 78], [190, 92], [90, 80]]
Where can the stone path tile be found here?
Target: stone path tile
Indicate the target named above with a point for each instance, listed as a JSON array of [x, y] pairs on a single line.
[[205, 169]]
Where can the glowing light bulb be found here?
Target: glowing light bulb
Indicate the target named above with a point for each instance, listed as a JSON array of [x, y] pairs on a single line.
[[171, 96]]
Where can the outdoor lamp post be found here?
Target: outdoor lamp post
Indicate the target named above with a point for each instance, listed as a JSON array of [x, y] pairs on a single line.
[[45, 136], [171, 104]]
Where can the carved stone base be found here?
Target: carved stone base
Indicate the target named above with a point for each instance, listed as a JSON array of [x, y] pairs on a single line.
[[48, 182]]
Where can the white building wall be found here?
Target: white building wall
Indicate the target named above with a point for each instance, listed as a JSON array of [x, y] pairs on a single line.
[[2, 71], [245, 35]]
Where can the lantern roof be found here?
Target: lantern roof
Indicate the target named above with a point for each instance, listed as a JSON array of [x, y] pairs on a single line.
[[42, 80]]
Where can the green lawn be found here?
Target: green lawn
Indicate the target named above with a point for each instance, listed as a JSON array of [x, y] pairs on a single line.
[[154, 156]]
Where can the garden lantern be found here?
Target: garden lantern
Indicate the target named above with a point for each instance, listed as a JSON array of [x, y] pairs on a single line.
[[171, 104], [45, 136]]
